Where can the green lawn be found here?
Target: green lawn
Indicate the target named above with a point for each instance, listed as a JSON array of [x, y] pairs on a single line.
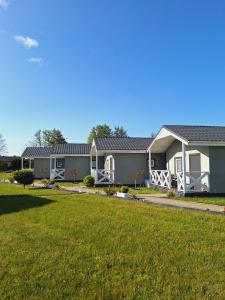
[[209, 200], [57, 245]]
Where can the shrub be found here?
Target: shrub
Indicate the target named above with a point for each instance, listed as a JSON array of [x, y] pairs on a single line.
[[24, 177], [45, 182], [171, 194], [134, 196], [110, 191], [89, 181], [11, 179], [51, 181], [124, 189]]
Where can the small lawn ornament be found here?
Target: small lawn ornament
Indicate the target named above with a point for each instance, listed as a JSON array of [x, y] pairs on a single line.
[[138, 175]]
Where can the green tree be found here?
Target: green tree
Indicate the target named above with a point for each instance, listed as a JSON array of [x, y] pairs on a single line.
[[47, 138], [24, 177], [119, 131], [99, 131], [38, 139], [2, 145], [52, 137]]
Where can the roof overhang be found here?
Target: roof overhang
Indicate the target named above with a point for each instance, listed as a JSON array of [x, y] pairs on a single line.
[[163, 140]]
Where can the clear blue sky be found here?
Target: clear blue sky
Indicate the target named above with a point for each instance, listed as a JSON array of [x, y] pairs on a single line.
[[139, 64]]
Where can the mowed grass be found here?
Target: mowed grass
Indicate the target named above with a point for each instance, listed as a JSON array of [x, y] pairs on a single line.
[[208, 200], [56, 245]]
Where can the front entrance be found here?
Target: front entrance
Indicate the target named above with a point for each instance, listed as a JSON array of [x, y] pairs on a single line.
[[195, 168]]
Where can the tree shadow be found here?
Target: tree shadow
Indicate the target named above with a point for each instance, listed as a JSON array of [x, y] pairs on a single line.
[[16, 203]]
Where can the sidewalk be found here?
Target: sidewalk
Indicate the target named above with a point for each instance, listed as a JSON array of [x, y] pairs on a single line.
[[155, 199], [158, 199]]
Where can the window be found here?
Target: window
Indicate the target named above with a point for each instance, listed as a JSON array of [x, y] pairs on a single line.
[[178, 165], [152, 163]]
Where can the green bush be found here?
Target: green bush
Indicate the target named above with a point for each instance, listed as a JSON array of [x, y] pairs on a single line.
[[11, 179], [110, 191], [24, 177], [89, 181], [124, 189], [171, 194], [45, 182], [51, 181]]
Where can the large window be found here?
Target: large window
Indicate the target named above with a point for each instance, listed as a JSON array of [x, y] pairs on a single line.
[[178, 165]]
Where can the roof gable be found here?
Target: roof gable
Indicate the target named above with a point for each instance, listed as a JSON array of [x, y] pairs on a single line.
[[198, 133]]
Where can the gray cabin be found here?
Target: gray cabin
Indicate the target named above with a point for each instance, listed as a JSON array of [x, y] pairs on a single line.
[[123, 160], [194, 159], [68, 162]]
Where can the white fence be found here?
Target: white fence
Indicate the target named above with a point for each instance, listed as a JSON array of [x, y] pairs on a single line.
[[161, 178], [195, 182], [103, 176], [58, 174]]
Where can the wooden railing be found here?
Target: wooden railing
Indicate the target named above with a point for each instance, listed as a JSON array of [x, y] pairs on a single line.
[[58, 174], [195, 182], [103, 176], [160, 178]]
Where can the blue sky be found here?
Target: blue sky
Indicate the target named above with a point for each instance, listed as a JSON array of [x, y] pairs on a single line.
[[76, 63]]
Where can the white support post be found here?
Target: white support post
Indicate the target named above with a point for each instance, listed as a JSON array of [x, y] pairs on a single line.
[[184, 166], [54, 162], [21, 163], [50, 168], [96, 179], [91, 164], [150, 165]]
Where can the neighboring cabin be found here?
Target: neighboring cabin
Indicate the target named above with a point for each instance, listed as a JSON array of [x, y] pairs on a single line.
[[122, 160], [59, 162], [194, 158]]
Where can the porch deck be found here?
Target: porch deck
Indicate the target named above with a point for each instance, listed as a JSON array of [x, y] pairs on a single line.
[[191, 182], [103, 176]]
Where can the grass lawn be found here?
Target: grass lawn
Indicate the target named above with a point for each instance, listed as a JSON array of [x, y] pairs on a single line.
[[57, 245], [208, 200]]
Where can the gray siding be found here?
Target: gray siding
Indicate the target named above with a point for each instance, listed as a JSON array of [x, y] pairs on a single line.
[[79, 163], [217, 169], [41, 167], [127, 166]]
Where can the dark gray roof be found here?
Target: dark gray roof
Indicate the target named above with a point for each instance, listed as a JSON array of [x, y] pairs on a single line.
[[71, 149], [37, 152], [198, 133], [129, 143]]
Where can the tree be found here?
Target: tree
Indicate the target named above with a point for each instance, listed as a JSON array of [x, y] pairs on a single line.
[[119, 131], [38, 139], [24, 177], [47, 138], [52, 137], [99, 131], [2, 145]]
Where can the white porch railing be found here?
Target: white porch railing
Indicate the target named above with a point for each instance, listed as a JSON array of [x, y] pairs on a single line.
[[195, 182], [58, 174], [103, 176], [160, 178]]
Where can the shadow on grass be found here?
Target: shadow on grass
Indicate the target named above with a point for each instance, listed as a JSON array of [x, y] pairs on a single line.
[[16, 203]]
